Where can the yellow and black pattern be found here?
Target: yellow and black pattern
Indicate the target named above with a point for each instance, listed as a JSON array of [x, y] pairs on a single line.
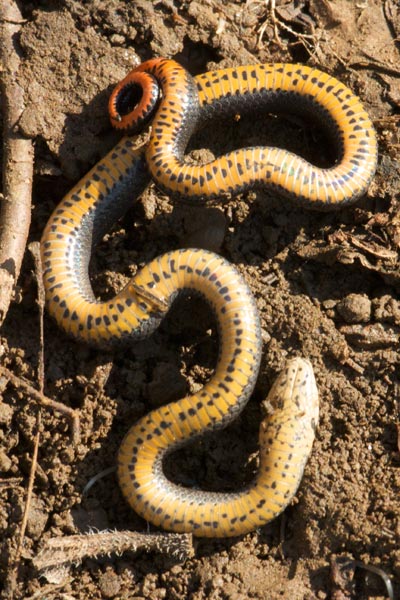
[[188, 102]]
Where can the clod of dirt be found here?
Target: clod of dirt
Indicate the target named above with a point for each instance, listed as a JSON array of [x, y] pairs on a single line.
[[386, 308], [355, 308], [38, 518]]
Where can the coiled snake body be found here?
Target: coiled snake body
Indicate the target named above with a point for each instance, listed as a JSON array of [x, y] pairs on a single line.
[[104, 195]]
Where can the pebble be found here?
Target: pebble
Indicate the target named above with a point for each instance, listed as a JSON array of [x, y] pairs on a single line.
[[6, 414], [110, 584], [117, 40], [5, 462]]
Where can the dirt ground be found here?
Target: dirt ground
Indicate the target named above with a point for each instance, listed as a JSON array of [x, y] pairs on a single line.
[[326, 285]]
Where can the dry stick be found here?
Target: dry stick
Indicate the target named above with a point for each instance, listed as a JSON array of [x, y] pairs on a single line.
[[62, 552], [15, 205], [11, 580], [34, 249]]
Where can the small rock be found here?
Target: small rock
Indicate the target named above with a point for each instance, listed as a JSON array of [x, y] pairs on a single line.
[[6, 414], [5, 462], [329, 304], [158, 594], [110, 584], [355, 308], [117, 40]]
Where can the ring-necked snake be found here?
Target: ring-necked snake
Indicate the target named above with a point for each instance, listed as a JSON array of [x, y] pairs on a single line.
[[107, 191]]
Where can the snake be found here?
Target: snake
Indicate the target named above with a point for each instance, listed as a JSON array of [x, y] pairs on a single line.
[[105, 193]]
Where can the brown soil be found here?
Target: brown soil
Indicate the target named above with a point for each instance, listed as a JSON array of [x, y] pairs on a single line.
[[326, 285]]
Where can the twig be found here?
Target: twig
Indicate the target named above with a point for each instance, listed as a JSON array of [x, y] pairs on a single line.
[[34, 249], [391, 15], [10, 583], [72, 414], [282, 529], [61, 552], [29, 490], [15, 206]]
